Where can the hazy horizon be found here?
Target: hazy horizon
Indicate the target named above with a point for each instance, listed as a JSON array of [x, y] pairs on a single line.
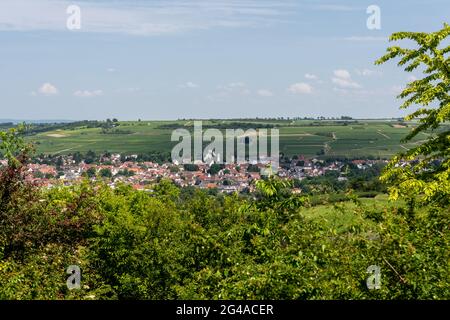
[[331, 118]]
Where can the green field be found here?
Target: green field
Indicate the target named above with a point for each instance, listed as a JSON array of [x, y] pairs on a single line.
[[363, 138]]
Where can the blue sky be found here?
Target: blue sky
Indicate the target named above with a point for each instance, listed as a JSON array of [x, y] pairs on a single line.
[[168, 59]]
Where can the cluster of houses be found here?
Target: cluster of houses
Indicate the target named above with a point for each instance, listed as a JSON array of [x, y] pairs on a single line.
[[141, 175]]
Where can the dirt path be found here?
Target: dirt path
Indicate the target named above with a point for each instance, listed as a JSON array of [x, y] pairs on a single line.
[[381, 133]]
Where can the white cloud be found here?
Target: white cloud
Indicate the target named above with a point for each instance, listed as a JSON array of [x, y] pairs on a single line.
[[365, 38], [265, 93], [239, 88], [346, 83], [310, 76], [189, 85], [370, 93], [343, 79], [87, 93], [335, 7], [342, 74], [412, 78], [397, 89], [367, 72], [111, 70], [148, 18], [300, 88], [47, 89], [236, 85], [341, 91], [128, 90]]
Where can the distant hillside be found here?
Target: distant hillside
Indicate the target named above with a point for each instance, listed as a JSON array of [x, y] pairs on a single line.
[[17, 121], [311, 138]]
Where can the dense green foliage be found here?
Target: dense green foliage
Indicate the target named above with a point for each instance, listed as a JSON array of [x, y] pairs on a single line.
[[426, 173], [134, 245]]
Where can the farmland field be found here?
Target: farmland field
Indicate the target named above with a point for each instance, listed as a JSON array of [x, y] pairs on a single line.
[[361, 138]]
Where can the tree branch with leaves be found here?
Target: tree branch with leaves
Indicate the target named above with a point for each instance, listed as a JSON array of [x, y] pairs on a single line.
[[422, 174]]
